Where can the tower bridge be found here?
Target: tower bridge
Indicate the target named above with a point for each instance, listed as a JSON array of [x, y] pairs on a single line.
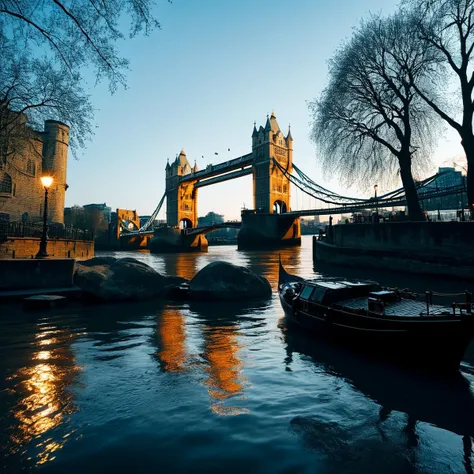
[[271, 191], [271, 222]]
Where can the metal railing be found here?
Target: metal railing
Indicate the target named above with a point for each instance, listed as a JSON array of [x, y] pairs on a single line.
[[20, 229]]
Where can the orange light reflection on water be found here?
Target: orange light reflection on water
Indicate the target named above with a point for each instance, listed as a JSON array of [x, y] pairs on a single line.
[[225, 377], [44, 401], [172, 340]]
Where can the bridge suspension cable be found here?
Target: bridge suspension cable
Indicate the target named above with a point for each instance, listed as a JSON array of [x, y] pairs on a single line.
[[149, 222], [308, 186]]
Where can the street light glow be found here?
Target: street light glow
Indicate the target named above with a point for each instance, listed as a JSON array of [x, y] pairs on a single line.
[[46, 181]]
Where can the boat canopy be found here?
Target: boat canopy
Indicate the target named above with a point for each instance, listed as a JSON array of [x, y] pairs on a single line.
[[327, 292]]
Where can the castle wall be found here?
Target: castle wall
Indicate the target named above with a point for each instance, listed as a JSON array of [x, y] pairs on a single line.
[[27, 194], [44, 153], [55, 150]]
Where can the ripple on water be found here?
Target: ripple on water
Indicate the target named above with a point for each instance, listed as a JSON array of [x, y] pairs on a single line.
[[218, 387]]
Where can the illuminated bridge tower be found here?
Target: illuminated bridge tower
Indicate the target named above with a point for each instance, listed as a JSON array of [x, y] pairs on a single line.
[[267, 225], [181, 198], [181, 211], [271, 188]]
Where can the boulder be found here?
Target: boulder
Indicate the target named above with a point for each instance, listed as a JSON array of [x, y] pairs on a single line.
[[111, 279], [224, 281]]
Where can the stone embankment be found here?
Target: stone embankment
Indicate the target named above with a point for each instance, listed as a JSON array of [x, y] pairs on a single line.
[[111, 279]]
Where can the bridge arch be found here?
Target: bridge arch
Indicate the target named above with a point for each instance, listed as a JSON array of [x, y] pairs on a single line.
[[185, 223], [279, 207]]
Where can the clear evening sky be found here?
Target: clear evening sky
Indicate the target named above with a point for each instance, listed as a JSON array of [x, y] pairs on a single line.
[[200, 82]]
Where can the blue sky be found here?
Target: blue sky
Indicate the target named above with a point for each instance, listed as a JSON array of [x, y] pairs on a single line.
[[200, 82]]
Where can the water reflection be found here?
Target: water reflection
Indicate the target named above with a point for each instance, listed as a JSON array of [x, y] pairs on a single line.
[[43, 401], [220, 325], [184, 265], [444, 402], [171, 336], [224, 366]]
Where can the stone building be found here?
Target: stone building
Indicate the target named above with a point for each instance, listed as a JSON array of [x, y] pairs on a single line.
[[39, 154]]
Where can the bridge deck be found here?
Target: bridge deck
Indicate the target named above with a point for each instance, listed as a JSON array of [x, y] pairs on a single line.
[[216, 170]]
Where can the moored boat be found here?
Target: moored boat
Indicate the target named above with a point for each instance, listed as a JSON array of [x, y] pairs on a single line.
[[389, 323]]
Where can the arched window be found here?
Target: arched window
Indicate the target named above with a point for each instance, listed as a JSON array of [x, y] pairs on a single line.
[[5, 183], [31, 167]]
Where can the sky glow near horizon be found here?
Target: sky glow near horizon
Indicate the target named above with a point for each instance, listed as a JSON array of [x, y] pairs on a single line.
[[200, 82]]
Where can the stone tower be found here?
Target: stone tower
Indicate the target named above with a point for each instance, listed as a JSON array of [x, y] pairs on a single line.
[[55, 149], [181, 198], [271, 188]]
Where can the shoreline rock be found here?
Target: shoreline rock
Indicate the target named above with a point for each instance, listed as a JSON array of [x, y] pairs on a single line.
[[119, 279], [223, 281], [112, 279]]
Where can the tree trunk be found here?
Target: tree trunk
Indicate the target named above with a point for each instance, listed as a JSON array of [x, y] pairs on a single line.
[[468, 145], [414, 209]]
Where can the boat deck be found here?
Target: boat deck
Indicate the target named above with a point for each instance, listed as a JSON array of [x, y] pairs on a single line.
[[403, 308]]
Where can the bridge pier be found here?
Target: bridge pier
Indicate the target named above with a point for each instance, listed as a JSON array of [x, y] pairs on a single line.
[[261, 230], [174, 240]]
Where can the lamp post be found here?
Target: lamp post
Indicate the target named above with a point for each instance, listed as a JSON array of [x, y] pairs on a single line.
[[376, 204], [46, 181]]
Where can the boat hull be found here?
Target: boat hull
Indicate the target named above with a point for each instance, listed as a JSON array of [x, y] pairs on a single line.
[[436, 344]]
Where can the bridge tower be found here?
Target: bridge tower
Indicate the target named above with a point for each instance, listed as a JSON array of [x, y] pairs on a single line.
[[271, 188], [268, 224], [181, 198]]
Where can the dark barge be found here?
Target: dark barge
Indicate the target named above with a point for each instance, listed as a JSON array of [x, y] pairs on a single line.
[[388, 323]]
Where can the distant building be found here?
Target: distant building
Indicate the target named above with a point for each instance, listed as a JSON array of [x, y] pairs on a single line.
[[310, 226], [103, 209], [225, 234], [90, 216], [448, 179], [210, 218]]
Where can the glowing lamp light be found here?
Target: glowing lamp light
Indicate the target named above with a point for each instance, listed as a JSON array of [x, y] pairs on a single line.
[[46, 181]]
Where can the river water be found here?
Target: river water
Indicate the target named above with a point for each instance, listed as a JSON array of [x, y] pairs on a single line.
[[217, 387]]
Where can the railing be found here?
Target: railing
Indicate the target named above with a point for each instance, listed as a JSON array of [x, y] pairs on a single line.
[[466, 306], [19, 229]]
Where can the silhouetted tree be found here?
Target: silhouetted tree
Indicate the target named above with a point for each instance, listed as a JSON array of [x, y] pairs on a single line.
[[369, 120], [45, 45], [446, 27]]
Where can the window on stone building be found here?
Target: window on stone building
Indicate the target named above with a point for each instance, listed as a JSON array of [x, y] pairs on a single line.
[[5, 183], [31, 167]]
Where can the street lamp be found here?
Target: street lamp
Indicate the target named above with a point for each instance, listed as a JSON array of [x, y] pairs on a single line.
[[376, 204], [46, 181]]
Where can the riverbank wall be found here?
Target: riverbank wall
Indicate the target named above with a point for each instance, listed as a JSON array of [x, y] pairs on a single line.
[[436, 248], [24, 274], [27, 247]]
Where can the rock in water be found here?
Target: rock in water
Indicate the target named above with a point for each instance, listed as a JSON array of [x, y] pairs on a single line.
[[224, 281], [122, 279]]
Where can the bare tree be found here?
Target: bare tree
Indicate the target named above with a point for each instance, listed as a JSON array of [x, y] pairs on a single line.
[[447, 27], [369, 120], [34, 90], [45, 46]]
